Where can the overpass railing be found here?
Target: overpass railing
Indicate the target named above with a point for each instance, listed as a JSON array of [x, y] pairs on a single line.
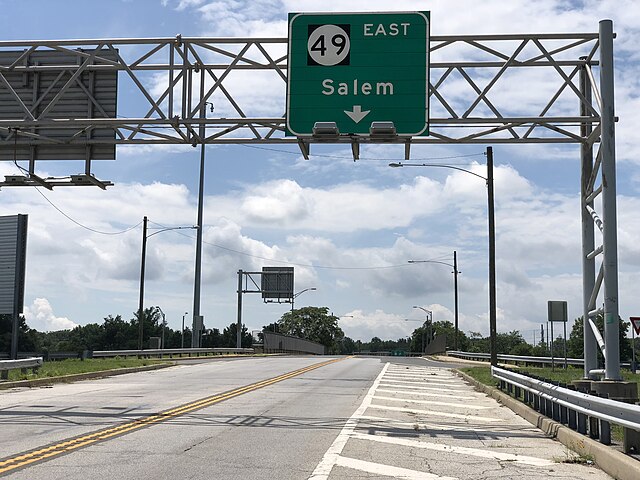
[[580, 411], [518, 359], [170, 352], [23, 364]]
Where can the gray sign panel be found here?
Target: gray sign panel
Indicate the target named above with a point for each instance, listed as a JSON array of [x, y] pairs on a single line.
[[557, 311], [13, 249], [44, 88], [277, 282]]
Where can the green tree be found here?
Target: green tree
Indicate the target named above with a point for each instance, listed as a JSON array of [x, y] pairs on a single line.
[[348, 346], [506, 342], [27, 337], [315, 324], [477, 343], [118, 334], [417, 343], [229, 337], [152, 325], [444, 327], [575, 343]]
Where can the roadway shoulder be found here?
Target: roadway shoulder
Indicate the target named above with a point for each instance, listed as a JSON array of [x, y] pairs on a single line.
[[607, 458], [39, 382]]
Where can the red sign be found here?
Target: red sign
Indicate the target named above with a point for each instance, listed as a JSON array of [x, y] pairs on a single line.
[[635, 321]]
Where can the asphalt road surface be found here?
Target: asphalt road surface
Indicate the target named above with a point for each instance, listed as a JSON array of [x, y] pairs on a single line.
[[275, 418]]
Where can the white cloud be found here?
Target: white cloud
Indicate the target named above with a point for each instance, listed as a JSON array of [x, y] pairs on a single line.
[[41, 317]]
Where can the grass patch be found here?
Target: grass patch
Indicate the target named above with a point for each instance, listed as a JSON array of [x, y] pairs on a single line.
[[75, 366], [481, 374]]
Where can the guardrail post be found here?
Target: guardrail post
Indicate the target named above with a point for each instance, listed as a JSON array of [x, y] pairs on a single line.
[[564, 415], [631, 440], [605, 432], [582, 423], [555, 411], [594, 427], [572, 419], [536, 402]]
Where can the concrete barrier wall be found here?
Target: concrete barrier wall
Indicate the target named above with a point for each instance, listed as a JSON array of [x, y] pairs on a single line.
[[277, 343]]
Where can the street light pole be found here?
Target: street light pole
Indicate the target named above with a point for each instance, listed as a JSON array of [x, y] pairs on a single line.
[[142, 269], [143, 262], [492, 260], [455, 299], [427, 324], [195, 333], [492, 240], [164, 323], [182, 333], [455, 290]]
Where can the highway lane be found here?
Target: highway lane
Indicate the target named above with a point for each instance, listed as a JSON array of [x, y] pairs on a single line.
[[427, 423], [281, 428]]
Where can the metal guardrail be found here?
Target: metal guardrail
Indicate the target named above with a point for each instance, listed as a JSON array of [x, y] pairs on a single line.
[[23, 364], [578, 410], [517, 359], [160, 352]]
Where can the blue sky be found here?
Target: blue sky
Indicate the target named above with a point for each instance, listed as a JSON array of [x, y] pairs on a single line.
[[269, 207]]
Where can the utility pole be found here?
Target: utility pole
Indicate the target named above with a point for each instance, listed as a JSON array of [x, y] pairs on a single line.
[[142, 267], [455, 295], [197, 325], [492, 260]]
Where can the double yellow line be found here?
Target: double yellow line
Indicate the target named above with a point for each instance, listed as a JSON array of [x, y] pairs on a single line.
[[44, 453]]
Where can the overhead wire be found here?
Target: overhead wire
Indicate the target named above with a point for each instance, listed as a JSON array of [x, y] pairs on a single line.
[[308, 265]]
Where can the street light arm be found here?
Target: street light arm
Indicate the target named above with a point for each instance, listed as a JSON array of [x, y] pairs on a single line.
[[171, 228], [428, 312], [431, 261], [296, 295], [437, 165]]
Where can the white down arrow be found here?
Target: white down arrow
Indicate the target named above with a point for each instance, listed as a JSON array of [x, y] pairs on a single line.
[[357, 114]]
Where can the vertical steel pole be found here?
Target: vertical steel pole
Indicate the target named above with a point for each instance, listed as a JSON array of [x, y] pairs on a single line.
[[609, 215], [239, 324], [15, 328], [182, 336], [553, 363], [195, 333], [142, 268], [18, 291], [492, 259], [455, 299], [633, 349], [588, 238]]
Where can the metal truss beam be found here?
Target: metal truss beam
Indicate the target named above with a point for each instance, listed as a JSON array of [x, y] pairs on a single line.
[[477, 95]]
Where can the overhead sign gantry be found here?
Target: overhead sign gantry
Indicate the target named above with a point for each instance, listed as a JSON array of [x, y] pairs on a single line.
[[476, 96]]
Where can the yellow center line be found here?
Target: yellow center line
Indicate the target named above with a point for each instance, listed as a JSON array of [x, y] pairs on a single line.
[[44, 453]]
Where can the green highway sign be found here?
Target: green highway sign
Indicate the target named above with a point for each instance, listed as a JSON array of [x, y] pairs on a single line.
[[357, 68]]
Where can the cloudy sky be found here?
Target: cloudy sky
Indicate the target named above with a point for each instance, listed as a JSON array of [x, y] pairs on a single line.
[[349, 228]]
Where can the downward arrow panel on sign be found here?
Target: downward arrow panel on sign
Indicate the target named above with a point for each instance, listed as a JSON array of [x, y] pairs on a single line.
[[357, 114]]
